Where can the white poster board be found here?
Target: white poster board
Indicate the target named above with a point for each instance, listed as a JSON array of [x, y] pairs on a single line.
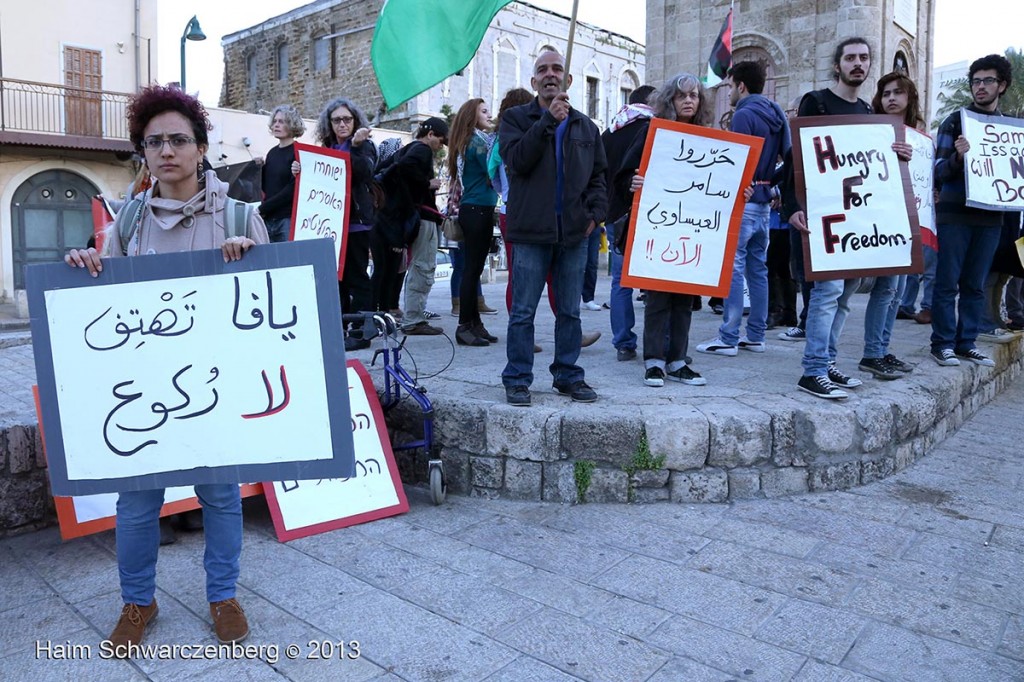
[[994, 166], [858, 196], [321, 204], [921, 180], [303, 508]]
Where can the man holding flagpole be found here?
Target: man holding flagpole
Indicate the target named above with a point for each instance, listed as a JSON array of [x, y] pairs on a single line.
[[557, 196]]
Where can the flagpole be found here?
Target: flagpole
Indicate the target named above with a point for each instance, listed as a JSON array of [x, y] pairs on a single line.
[[568, 50]]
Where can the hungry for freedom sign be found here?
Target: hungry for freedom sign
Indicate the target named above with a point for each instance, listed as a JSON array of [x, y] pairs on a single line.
[[320, 207], [995, 162], [860, 207], [685, 221], [177, 369]]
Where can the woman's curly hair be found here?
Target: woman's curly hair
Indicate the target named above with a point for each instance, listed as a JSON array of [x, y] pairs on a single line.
[[158, 99]]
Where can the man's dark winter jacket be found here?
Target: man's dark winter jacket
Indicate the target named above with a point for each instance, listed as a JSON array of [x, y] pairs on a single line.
[[759, 116], [527, 139], [405, 179], [616, 144]]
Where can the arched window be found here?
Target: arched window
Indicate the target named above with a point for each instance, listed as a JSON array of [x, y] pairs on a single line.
[[281, 58], [900, 63], [628, 82], [250, 71], [321, 53]]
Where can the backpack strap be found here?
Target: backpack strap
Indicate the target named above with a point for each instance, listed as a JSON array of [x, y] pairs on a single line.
[[819, 100], [126, 222], [238, 214]]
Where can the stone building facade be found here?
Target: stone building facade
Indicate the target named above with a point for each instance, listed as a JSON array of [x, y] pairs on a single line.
[[795, 38], [322, 50]]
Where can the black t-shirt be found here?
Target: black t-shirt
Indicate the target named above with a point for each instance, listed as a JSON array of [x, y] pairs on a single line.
[[833, 105]]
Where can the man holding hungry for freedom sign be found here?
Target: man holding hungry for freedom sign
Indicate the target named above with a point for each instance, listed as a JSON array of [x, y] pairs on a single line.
[[972, 186]]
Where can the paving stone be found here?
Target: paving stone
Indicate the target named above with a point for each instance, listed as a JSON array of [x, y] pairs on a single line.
[[708, 598], [561, 593], [833, 475], [48, 618], [364, 558], [705, 485], [743, 657], [20, 585], [813, 671], [1004, 594], [937, 579], [855, 503], [629, 617], [682, 436], [770, 538], [940, 616], [527, 669], [818, 631], [1012, 643], [28, 666], [487, 472], [789, 480], [990, 562], [888, 652], [578, 648], [945, 519], [679, 668], [523, 479], [744, 483], [532, 434]]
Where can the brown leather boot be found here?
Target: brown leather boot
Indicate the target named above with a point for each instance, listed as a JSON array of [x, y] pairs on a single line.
[[229, 621], [131, 627], [483, 308], [480, 330]]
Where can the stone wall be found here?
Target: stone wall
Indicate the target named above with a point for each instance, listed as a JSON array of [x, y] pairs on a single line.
[[25, 502]]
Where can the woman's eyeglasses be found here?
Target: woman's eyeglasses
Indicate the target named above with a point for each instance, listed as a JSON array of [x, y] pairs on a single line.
[[347, 120], [176, 142]]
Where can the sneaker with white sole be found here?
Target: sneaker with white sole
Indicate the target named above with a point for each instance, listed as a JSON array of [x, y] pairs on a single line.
[[821, 387], [685, 375], [793, 334], [880, 368], [945, 357], [997, 336], [590, 305], [752, 346], [655, 377], [840, 379], [977, 357], [717, 347]]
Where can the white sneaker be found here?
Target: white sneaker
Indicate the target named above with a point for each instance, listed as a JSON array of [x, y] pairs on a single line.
[[590, 305], [997, 336], [717, 347], [752, 346]]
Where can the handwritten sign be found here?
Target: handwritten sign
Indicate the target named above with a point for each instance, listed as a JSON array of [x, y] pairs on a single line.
[[860, 204], [178, 369], [995, 163], [374, 491], [920, 170], [320, 207], [685, 222]]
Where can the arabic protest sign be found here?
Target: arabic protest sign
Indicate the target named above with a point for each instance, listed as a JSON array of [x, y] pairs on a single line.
[[920, 170], [995, 162], [686, 220], [859, 202], [320, 207], [374, 491], [178, 369]]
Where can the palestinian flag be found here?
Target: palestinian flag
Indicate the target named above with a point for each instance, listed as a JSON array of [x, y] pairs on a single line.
[[419, 43], [721, 54]]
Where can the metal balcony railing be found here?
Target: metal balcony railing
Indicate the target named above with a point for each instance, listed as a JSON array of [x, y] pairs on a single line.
[[30, 107]]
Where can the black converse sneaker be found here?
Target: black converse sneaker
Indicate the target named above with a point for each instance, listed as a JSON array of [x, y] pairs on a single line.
[[945, 357], [976, 356], [840, 379], [879, 367], [685, 375], [898, 364], [821, 387], [654, 376]]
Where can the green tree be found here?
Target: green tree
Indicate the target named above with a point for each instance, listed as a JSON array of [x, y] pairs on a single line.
[[1011, 103]]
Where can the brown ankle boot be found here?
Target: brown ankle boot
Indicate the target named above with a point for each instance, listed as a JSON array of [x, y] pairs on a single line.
[[131, 627], [465, 335], [482, 332], [229, 621], [483, 308]]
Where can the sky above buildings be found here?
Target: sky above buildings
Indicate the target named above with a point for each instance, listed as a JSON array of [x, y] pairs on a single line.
[[963, 31]]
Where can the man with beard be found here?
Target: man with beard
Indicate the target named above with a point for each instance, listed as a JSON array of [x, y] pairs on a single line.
[[830, 299], [968, 237]]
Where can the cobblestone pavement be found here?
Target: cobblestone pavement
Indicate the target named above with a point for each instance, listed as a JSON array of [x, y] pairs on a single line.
[[917, 577]]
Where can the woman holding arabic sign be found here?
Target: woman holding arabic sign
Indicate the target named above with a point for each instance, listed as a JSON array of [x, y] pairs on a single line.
[[183, 211], [666, 315]]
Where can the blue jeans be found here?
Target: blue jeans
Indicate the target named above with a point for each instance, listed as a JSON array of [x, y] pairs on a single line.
[[751, 262], [138, 540], [965, 254], [278, 229], [530, 266], [590, 273], [455, 252], [890, 319], [826, 315], [925, 283], [796, 261], [877, 314], [623, 317]]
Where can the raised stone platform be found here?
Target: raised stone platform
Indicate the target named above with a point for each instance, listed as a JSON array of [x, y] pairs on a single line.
[[748, 433]]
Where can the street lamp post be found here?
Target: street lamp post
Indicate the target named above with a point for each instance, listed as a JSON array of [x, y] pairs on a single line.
[[192, 32]]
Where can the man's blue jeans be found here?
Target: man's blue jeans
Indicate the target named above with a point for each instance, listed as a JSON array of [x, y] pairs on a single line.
[[877, 314], [623, 317], [138, 540], [826, 315], [751, 262], [590, 272], [925, 283], [890, 320], [965, 255], [530, 266]]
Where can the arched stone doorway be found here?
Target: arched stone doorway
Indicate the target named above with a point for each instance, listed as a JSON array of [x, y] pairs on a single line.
[[51, 212]]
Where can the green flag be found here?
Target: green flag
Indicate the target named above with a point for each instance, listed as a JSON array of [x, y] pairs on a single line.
[[419, 43]]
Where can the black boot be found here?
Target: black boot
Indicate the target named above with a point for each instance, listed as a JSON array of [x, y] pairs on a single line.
[[482, 332], [465, 336]]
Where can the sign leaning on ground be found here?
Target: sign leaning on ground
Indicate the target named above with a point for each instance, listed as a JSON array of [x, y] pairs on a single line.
[[685, 221], [859, 199], [320, 207], [995, 163], [177, 369]]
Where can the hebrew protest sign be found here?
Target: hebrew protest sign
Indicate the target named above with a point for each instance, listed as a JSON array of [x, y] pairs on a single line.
[[921, 175], [177, 369], [374, 491], [685, 221], [320, 207], [994, 166], [859, 201]]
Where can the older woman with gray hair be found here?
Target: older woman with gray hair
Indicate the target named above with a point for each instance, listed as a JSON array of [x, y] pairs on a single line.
[[666, 315], [277, 180]]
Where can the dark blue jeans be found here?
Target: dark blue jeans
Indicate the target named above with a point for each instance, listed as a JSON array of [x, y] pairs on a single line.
[[590, 273], [530, 266], [965, 255]]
